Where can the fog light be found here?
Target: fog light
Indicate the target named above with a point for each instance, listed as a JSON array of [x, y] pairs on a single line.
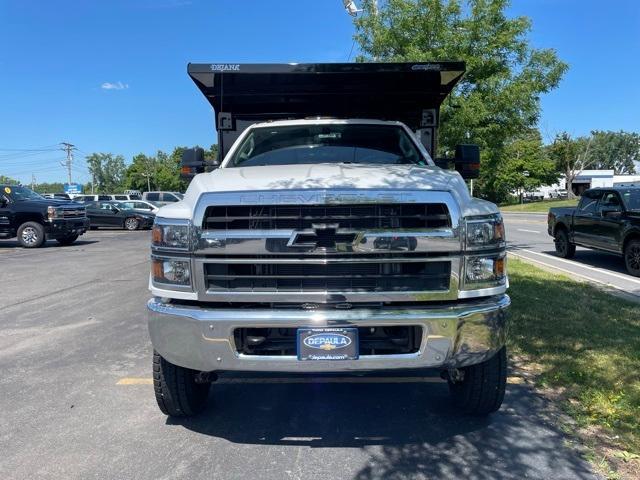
[[172, 271]]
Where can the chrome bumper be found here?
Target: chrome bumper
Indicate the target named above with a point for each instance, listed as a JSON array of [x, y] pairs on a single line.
[[453, 336]]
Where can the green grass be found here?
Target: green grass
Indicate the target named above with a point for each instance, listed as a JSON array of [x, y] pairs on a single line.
[[539, 207], [586, 344]]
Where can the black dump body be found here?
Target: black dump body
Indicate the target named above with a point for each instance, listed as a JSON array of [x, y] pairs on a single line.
[[243, 94]]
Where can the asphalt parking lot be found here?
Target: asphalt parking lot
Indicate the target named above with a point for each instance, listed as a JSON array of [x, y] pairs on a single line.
[[527, 238], [77, 402]]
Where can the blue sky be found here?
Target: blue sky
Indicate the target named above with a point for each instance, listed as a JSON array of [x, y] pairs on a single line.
[[56, 57]]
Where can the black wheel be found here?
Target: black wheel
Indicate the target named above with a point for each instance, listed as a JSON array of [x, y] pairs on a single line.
[[479, 390], [131, 223], [31, 235], [68, 240], [564, 248], [632, 257], [177, 393]]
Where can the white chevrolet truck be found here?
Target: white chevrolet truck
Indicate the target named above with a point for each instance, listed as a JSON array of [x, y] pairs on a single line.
[[327, 239]]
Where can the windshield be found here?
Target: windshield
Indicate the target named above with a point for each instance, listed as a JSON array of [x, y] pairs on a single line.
[[631, 199], [22, 193], [338, 143]]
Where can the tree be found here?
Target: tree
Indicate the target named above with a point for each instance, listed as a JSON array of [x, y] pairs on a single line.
[[4, 180], [54, 187], [570, 156], [524, 166], [140, 175], [614, 151], [498, 99], [162, 171], [107, 170]]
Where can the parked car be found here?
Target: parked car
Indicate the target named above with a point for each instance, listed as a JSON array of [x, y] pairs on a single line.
[[606, 219], [105, 197], [162, 198], [62, 196], [116, 214], [558, 194], [33, 219], [141, 206]]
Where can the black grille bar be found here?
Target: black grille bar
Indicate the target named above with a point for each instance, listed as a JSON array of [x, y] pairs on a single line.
[[357, 216], [337, 277]]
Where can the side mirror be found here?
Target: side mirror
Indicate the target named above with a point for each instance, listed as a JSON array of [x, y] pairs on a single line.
[[610, 212], [467, 161], [192, 163]]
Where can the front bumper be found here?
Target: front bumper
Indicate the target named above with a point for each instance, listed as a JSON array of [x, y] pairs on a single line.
[[66, 226], [453, 335]]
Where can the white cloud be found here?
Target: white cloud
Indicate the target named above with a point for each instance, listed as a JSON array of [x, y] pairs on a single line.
[[114, 86]]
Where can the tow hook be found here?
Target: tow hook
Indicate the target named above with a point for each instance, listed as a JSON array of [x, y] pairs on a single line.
[[206, 377]]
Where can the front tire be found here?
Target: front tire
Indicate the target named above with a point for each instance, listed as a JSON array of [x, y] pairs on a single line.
[[68, 240], [31, 235], [481, 389], [177, 393], [564, 248], [632, 257], [131, 224]]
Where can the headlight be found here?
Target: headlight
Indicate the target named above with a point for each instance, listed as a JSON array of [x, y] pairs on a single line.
[[485, 233], [52, 212], [172, 271], [171, 235], [485, 269]]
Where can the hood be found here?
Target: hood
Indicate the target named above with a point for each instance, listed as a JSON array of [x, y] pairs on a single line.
[[325, 176], [53, 202]]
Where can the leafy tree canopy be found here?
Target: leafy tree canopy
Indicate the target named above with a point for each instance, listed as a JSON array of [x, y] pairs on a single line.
[[107, 170], [4, 180], [499, 97], [524, 165], [614, 151]]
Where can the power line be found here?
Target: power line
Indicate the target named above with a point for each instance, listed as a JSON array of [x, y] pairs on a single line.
[[31, 149]]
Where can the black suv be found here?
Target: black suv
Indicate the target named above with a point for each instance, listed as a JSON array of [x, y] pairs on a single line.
[[33, 219]]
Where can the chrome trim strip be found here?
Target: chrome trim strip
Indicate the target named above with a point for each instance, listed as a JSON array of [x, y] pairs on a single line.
[[276, 243], [483, 292], [326, 261]]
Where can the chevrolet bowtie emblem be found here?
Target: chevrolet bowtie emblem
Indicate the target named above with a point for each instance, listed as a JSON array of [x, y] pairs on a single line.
[[325, 236]]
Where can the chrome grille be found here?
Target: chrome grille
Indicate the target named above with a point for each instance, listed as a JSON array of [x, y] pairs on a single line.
[[358, 216], [75, 212], [327, 247]]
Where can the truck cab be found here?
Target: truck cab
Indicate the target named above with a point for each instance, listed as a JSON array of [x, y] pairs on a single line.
[[326, 239]]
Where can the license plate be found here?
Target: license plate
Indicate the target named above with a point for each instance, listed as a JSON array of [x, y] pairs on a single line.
[[327, 344]]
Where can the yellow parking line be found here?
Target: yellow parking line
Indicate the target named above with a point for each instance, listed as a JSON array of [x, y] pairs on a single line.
[[135, 381]]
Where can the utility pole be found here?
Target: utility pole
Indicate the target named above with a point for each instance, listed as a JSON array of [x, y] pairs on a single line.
[[69, 148], [148, 177], [33, 182]]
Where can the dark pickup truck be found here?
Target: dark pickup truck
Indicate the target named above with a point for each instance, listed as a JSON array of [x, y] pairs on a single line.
[[33, 219], [606, 219]]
